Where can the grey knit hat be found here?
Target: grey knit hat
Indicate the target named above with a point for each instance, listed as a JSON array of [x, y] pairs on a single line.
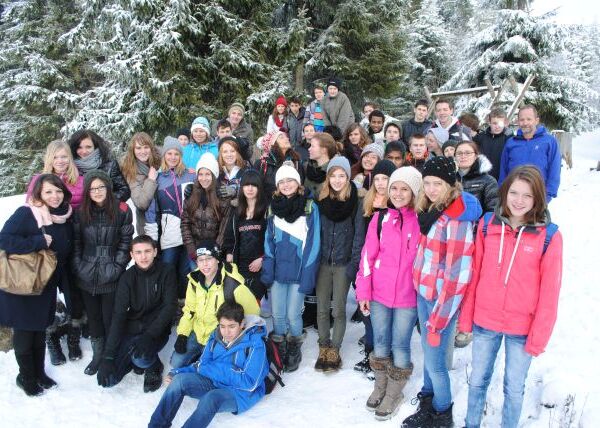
[[376, 148], [171, 143], [440, 134], [340, 162], [97, 174]]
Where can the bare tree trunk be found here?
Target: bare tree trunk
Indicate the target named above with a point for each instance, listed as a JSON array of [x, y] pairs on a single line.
[[299, 78]]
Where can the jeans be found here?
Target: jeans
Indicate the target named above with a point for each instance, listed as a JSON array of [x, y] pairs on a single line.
[[485, 348], [286, 304], [178, 257], [436, 380], [332, 287], [191, 355], [210, 401], [392, 330]]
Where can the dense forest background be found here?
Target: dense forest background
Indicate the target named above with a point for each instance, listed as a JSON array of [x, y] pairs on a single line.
[[122, 66]]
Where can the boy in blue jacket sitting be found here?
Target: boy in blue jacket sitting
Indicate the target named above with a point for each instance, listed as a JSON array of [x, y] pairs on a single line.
[[230, 376]]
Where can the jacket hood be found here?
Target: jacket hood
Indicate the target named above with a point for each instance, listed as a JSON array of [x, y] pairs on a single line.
[[464, 208], [541, 130], [454, 120], [482, 165]]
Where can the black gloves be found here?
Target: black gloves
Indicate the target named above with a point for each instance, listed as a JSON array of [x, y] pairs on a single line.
[[181, 344], [143, 346], [106, 372]]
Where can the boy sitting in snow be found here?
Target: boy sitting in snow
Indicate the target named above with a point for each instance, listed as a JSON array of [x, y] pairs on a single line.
[[230, 376]]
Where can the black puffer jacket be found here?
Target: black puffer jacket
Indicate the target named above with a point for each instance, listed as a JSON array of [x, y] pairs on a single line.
[[336, 240], [101, 249], [145, 303], [480, 184], [120, 186], [410, 127]]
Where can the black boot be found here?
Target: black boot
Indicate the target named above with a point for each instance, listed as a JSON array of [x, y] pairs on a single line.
[[153, 376], [97, 349], [364, 366], [422, 418], [309, 315], [73, 335], [57, 357], [26, 377], [137, 370], [442, 419], [281, 344], [294, 354], [357, 316], [39, 357]]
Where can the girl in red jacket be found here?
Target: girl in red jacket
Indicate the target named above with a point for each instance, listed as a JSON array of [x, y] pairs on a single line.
[[514, 291]]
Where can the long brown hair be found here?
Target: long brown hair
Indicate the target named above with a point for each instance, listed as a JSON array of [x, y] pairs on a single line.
[[192, 204], [36, 193], [327, 142], [239, 160], [111, 204], [327, 190], [530, 175], [364, 136], [129, 164]]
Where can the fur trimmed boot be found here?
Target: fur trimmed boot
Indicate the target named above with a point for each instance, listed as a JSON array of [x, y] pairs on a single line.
[[379, 367], [293, 356], [397, 379]]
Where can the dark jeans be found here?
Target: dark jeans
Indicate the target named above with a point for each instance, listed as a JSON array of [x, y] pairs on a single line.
[[253, 282], [178, 258], [99, 309], [211, 401]]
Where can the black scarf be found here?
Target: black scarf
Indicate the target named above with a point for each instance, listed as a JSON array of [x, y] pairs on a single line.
[[427, 219], [288, 209], [314, 173], [336, 210]]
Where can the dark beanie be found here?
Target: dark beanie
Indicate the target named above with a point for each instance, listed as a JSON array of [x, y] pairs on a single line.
[[97, 174], [183, 131], [449, 143], [395, 146], [231, 138], [441, 167], [385, 167], [208, 247]]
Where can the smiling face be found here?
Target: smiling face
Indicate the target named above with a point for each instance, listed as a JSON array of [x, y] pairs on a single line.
[[205, 177], [51, 195], [172, 158], [224, 131], [288, 187], [381, 184], [85, 148], [368, 161], [434, 188], [143, 254], [309, 132], [235, 116], [528, 122], [519, 200], [376, 124], [332, 90], [392, 133], [443, 113], [228, 154], [319, 94], [60, 162], [280, 108], [98, 192], [199, 135], [400, 194], [208, 265], [338, 179], [142, 152], [230, 329]]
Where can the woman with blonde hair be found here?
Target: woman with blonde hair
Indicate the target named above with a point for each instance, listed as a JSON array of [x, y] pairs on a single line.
[[140, 168], [231, 168]]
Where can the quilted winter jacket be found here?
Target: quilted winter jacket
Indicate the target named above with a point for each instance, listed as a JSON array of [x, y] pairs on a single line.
[[385, 269], [338, 111], [202, 304], [515, 288], [480, 184], [142, 194]]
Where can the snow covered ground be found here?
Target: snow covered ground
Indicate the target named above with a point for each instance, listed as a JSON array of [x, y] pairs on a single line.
[[562, 388]]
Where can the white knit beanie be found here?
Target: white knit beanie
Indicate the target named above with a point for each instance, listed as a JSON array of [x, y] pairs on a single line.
[[208, 161], [409, 175], [287, 170]]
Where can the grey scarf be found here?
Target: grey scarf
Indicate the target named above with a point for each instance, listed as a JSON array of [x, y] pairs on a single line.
[[91, 161], [142, 168]]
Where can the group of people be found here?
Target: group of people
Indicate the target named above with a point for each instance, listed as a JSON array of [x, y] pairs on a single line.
[[435, 224]]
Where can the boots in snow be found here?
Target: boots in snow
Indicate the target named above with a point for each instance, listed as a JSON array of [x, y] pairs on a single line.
[[309, 315], [293, 356], [357, 316], [73, 335], [321, 360], [26, 377], [281, 345], [43, 380], [363, 365], [422, 417], [138, 371], [379, 367], [97, 349], [442, 419], [153, 376], [397, 379], [333, 361], [57, 357]]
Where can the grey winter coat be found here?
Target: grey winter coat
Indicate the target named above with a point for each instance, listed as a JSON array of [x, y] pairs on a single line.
[[338, 111], [142, 194], [478, 182]]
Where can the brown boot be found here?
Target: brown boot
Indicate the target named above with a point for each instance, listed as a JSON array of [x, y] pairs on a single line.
[[322, 359], [333, 361], [397, 379], [379, 367]]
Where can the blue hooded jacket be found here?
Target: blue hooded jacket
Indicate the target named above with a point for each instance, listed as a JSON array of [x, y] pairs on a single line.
[[240, 366], [193, 152], [541, 151]]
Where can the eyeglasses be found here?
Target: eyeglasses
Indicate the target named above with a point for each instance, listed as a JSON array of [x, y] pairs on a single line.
[[463, 154], [98, 189]]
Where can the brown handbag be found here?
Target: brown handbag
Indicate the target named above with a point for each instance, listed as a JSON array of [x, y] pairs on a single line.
[[26, 274]]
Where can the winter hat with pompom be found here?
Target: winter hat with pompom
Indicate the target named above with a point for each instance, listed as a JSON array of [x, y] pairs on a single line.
[[287, 170]]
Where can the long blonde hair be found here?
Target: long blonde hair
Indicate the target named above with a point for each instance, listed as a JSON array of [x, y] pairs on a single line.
[[129, 165], [54, 147], [451, 193], [327, 191], [369, 200]]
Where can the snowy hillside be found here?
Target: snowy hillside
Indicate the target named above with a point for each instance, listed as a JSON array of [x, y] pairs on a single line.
[[562, 388]]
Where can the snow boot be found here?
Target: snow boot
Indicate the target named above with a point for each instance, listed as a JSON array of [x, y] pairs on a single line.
[[357, 316], [85, 327], [442, 419], [138, 371], [57, 357], [39, 357], [309, 315], [73, 335], [153, 376], [422, 417], [363, 365], [333, 361], [97, 349], [379, 367], [293, 356], [322, 358], [281, 345], [26, 377], [397, 379]]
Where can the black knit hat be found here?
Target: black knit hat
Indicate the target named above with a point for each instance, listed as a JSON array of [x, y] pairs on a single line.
[[441, 167], [395, 146], [232, 139], [385, 167], [209, 247], [449, 143], [97, 174], [183, 131], [334, 81]]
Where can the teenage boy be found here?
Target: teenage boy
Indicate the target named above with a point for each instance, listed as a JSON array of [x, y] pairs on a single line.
[[444, 111], [392, 131], [375, 127], [208, 286], [419, 124], [230, 376], [145, 304], [395, 152], [418, 153], [295, 119], [493, 139], [314, 111]]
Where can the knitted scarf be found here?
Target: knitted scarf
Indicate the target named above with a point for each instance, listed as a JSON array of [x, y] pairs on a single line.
[[91, 161], [336, 210], [289, 209], [427, 219], [314, 173]]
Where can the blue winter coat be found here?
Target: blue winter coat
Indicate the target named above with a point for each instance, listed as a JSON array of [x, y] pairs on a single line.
[[292, 250], [240, 366], [542, 151], [192, 152]]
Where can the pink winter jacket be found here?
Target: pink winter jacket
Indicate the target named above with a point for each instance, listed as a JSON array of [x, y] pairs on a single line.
[[75, 189], [515, 288], [385, 268]]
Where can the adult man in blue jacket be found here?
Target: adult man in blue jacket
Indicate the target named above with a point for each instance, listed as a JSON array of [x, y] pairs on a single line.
[[533, 145]]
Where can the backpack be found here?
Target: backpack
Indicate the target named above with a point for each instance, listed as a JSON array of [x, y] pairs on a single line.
[[551, 229]]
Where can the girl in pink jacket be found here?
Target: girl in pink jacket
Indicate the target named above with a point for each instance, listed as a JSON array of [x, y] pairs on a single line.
[[384, 288], [514, 291]]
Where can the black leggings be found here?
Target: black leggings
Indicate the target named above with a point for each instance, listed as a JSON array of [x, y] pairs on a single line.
[[99, 309], [27, 342]]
